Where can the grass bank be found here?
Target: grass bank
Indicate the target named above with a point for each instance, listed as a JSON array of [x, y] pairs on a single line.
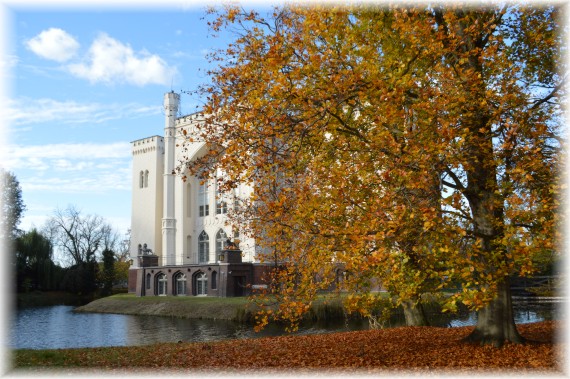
[[217, 308], [47, 298], [195, 307], [324, 308]]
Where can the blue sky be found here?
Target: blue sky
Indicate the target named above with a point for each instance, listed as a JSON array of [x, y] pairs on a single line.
[[81, 83]]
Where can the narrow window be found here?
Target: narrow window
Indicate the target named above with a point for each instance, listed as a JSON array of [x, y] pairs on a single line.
[[147, 281], [214, 280], [203, 247], [221, 238], [221, 205], [203, 201], [221, 208], [146, 178], [236, 200], [141, 179]]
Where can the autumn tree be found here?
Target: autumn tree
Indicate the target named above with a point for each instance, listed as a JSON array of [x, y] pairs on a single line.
[[417, 147]]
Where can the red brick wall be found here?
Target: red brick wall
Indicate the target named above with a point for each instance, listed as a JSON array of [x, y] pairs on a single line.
[[133, 281], [261, 271]]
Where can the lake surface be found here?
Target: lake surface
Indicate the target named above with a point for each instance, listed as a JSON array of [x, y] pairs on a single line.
[[57, 327]]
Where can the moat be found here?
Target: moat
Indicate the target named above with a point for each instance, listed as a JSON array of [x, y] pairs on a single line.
[[55, 327]]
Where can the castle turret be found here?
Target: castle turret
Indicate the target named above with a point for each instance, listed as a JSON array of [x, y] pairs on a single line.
[[171, 102]]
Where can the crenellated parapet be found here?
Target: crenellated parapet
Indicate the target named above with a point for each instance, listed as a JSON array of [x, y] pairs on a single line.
[[148, 145]]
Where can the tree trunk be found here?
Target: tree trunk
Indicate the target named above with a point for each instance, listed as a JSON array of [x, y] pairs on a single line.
[[414, 313], [495, 322]]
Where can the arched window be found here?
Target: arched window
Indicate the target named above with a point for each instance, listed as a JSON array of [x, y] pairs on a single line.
[[147, 281], [201, 284], [146, 178], [214, 280], [141, 179], [203, 201], [180, 280], [203, 247], [221, 238], [161, 282]]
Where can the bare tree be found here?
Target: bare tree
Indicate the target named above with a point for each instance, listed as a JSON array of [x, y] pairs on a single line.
[[80, 238], [124, 245]]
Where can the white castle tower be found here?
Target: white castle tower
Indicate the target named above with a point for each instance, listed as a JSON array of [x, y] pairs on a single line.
[[171, 102]]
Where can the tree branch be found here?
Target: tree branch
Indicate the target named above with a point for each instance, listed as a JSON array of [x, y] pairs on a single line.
[[458, 185], [553, 93]]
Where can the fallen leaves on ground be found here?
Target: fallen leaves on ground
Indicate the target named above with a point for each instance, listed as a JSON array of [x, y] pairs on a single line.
[[404, 348]]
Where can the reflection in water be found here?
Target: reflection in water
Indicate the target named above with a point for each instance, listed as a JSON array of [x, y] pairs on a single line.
[[58, 327]]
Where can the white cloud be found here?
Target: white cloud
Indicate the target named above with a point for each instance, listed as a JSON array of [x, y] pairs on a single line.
[[25, 111], [59, 152], [82, 168], [110, 61], [94, 183], [54, 44], [7, 62]]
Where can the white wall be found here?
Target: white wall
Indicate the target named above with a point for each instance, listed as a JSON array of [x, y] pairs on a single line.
[[146, 215]]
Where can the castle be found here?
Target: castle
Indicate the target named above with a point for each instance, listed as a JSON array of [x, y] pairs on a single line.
[[180, 238]]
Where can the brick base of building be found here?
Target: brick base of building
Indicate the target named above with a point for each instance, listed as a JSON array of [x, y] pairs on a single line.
[[229, 277]]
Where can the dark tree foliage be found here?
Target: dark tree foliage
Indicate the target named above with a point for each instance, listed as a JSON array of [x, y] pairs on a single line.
[[81, 279], [108, 276], [35, 269], [12, 206]]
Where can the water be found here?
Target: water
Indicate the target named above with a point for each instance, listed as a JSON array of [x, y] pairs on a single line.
[[57, 327]]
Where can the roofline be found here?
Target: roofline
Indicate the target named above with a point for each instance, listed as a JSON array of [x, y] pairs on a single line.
[[140, 139]]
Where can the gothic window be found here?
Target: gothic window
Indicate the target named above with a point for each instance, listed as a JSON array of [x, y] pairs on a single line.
[[201, 284], [146, 178], [221, 238], [203, 201], [141, 179], [203, 247], [147, 281], [161, 282], [180, 280], [214, 280]]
